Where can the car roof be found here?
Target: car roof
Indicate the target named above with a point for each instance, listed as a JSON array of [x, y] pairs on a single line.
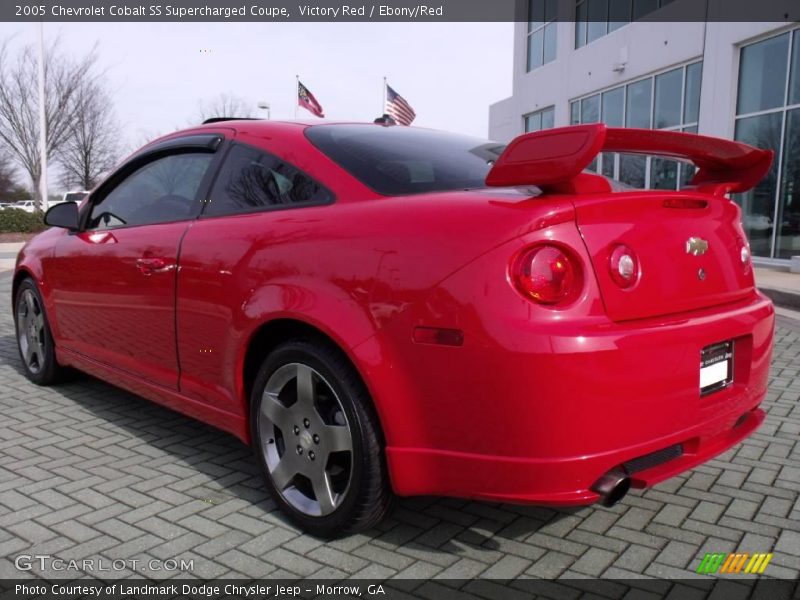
[[258, 127], [267, 123]]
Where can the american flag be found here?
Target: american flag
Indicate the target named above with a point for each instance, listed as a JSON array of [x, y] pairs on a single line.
[[398, 108], [307, 100]]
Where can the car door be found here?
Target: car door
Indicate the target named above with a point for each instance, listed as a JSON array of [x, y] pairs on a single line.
[[114, 280], [258, 204]]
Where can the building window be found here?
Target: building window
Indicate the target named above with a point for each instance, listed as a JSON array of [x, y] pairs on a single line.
[[596, 18], [768, 116], [541, 119], [668, 100], [542, 31]]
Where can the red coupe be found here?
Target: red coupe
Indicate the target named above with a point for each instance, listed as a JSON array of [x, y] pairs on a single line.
[[384, 310]]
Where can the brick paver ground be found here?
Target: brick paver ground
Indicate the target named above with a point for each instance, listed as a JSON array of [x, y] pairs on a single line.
[[89, 472]]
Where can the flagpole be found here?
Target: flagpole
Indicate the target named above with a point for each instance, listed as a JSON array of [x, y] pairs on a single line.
[[296, 94], [383, 110]]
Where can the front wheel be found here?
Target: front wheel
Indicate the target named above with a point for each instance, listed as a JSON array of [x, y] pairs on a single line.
[[318, 441], [34, 339]]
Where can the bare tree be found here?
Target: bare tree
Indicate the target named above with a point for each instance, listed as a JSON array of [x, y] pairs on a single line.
[[135, 140], [19, 116], [92, 146], [7, 181], [225, 106]]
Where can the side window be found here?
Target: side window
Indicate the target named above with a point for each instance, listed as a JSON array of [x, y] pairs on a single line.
[[161, 191], [252, 180]]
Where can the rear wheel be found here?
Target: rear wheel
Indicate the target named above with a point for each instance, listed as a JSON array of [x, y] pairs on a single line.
[[318, 441], [34, 339]]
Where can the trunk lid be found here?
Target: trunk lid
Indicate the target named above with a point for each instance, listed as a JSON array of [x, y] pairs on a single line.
[[657, 227]]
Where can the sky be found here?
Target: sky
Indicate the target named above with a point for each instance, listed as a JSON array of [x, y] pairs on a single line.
[[159, 73]]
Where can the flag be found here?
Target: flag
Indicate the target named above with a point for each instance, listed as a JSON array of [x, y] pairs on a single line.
[[398, 108], [306, 100]]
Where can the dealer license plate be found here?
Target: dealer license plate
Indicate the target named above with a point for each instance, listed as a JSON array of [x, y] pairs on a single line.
[[716, 367]]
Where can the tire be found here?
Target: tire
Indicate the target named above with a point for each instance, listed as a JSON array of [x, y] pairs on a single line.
[[34, 338], [318, 441]]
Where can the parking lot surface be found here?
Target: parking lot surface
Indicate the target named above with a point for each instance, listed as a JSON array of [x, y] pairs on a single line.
[[91, 472]]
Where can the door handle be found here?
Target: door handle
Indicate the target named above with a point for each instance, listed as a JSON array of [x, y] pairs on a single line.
[[148, 266]]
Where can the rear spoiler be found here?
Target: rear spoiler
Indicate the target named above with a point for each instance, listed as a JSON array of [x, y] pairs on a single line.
[[554, 159]]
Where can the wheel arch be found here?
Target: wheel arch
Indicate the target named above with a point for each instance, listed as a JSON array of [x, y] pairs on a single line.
[[21, 274], [270, 334]]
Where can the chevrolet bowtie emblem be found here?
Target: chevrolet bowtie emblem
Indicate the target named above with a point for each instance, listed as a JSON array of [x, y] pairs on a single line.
[[696, 246]]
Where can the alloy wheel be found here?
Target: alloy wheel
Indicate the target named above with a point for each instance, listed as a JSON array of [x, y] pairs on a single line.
[[31, 330], [306, 440]]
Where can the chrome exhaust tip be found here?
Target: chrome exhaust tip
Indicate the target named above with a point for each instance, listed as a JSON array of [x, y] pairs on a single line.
[[612, 487]]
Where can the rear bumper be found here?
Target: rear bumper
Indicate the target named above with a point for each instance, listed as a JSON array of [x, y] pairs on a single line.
[[552, 481], [540, 418]]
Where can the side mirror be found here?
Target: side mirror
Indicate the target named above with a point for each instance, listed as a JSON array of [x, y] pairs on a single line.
[[63, 215]]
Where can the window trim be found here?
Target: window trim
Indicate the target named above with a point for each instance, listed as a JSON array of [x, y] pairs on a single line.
[[529, 34], [255, 210], [206, 143], [586, 42]]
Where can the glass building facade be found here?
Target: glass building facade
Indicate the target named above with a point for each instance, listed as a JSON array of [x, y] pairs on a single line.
[[542, 32], [668, 100], [596, 18], [541, 119], [768, 116]]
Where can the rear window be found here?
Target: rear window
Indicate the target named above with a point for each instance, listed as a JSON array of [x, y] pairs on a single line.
[[398, 160]]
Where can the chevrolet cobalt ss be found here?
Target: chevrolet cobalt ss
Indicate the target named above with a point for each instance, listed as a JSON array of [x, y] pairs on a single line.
[[381, 310]]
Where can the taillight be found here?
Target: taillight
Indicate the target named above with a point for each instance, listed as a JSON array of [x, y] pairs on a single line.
[[547, 274], [623, 265]]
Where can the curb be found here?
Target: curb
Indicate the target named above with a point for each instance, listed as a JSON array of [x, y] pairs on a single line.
[[783, 298]]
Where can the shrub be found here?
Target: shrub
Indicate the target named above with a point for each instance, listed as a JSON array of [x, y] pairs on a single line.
[[14, 220]]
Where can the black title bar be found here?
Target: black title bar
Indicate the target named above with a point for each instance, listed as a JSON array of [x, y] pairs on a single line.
[[394, 589], [380, 11]]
